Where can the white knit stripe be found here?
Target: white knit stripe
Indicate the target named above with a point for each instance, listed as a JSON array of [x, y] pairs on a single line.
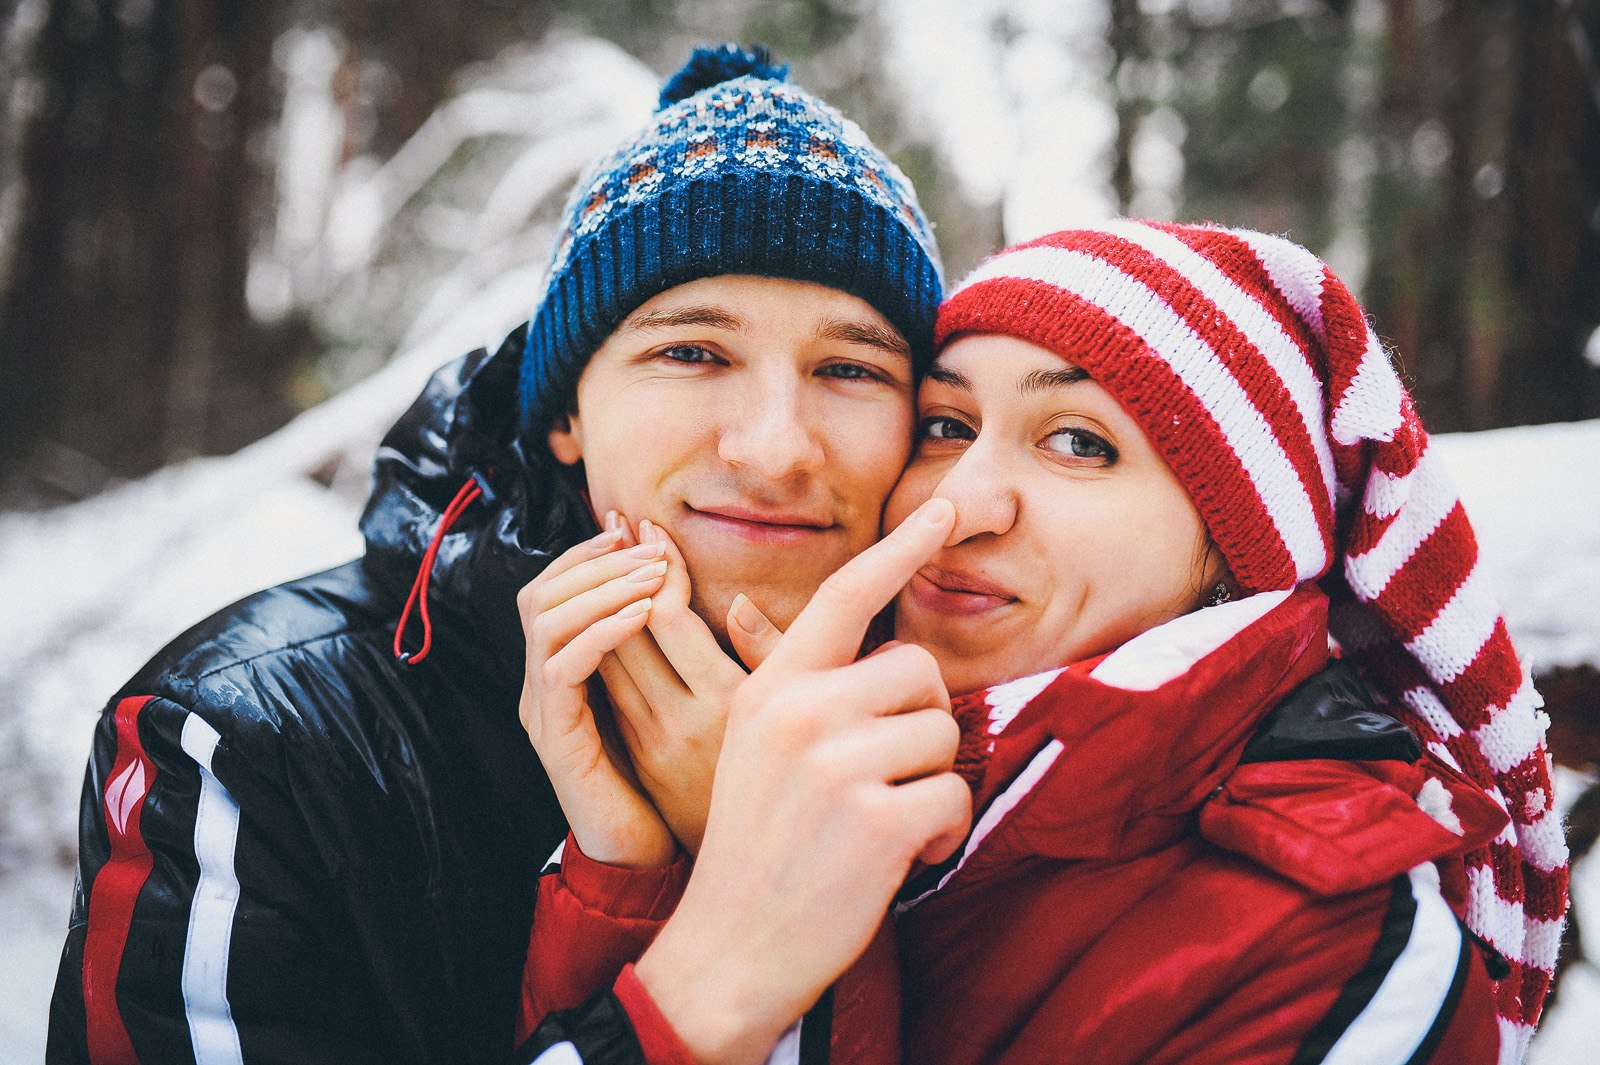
[[563, 1053], [1542, 944], [1543, 842], [1426, 705], [1445, 755], [1498, 920], [1370, 408], [1264, 332], [1514, 1040], [1431, 500], [1454, 637], [1386, 494], [1298, 274], [216, 897], [1415, 990], [1006, 700], [1002, 805], [1509, 738], [1138, 307]]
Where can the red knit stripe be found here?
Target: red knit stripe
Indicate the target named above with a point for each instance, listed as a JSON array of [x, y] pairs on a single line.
[[1427, 580], [1249, 367], [116, 889], [1546, 893], [1491, 680], [1345, 329], [1240, 262], [1116, 357]]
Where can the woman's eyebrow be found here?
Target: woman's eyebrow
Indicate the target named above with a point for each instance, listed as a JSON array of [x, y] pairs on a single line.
[[1043, 380], [946, 376]]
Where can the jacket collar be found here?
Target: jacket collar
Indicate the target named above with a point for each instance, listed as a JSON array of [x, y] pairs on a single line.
[[464, 424]]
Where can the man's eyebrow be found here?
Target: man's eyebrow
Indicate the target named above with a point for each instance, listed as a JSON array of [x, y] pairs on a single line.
[[1043, 380], [706, 315], [852, 331]]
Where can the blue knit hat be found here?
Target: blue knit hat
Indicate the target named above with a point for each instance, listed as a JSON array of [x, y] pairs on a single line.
[[741, 173]]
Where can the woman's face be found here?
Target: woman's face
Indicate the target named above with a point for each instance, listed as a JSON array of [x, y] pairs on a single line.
[[1072, 535]]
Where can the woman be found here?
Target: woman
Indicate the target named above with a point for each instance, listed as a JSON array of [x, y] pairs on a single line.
[[1180, 462]]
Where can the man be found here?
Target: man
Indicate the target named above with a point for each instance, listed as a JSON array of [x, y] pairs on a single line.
[[311, 826]]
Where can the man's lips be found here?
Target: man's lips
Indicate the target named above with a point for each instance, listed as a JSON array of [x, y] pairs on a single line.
[[953, 592], [762, 526]]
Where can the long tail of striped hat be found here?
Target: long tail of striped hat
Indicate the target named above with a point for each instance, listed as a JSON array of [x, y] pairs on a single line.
[[1255, 373]]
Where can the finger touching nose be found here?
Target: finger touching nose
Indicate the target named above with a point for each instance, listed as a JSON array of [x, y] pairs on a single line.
[[986, 498]]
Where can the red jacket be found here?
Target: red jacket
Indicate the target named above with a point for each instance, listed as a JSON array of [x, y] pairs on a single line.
[[1159, 873]]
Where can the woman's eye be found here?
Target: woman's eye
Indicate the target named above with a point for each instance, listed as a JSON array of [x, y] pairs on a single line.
[[945, 429], [686, 353], [1081, 444]]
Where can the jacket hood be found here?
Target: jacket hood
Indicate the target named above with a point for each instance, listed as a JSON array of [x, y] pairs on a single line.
[[462, 426]]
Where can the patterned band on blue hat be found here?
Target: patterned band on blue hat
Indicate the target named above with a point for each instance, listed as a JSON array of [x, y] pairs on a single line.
[[747, 175]]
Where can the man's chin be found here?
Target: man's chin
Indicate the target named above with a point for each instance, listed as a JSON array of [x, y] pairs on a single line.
[[781, 604]]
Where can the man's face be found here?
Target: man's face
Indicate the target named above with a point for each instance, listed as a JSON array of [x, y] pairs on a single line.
[[761, 422]]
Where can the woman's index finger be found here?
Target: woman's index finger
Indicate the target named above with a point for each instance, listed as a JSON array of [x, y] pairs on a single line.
[[830, 629]]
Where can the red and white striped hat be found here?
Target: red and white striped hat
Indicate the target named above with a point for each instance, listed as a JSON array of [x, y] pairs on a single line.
[[1255, 374]]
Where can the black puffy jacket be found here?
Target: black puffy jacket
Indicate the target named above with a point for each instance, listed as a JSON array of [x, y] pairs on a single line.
[[296, 848]]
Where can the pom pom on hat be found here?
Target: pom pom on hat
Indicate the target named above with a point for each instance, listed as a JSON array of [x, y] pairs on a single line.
[[713, 66]]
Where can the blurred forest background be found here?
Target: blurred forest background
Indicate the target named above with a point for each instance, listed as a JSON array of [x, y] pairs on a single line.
[[252, 229], [216, 213]]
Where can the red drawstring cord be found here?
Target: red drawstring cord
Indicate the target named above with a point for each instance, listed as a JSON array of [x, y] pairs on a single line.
[[468, 493]]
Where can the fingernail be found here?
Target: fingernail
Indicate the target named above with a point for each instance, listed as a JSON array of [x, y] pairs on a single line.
[[655, 550], [647, 531], [611, 519], [645, 574], [606, 536], [746, 616], [936, 511], [633, 610]]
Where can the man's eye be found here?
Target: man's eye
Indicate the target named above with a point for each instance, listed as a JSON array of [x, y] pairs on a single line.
[[940, 428], [686, 353], [850, 371], [1081, 444]]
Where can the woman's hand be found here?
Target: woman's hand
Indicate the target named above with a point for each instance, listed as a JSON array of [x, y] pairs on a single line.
[[583, 606], [672, 685], [834, 778]]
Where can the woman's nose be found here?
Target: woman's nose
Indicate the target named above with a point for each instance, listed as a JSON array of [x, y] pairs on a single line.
[[984, 493]]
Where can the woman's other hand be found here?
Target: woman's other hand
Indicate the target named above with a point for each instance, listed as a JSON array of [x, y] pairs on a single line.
[[583, 606]]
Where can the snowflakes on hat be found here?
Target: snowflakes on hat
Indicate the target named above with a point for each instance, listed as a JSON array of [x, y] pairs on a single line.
[[747, 123]]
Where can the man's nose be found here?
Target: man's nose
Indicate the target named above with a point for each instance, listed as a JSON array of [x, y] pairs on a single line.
[[773, 432], [983, 486]]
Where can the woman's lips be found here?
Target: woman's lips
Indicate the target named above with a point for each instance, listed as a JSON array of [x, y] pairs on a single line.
[[945, 592], [762, 527]]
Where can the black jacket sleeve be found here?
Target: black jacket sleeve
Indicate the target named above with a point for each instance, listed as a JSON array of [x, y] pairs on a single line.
[[202, 927], [596, 1033]]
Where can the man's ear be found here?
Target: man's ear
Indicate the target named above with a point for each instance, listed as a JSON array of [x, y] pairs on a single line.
[[566, 440]]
